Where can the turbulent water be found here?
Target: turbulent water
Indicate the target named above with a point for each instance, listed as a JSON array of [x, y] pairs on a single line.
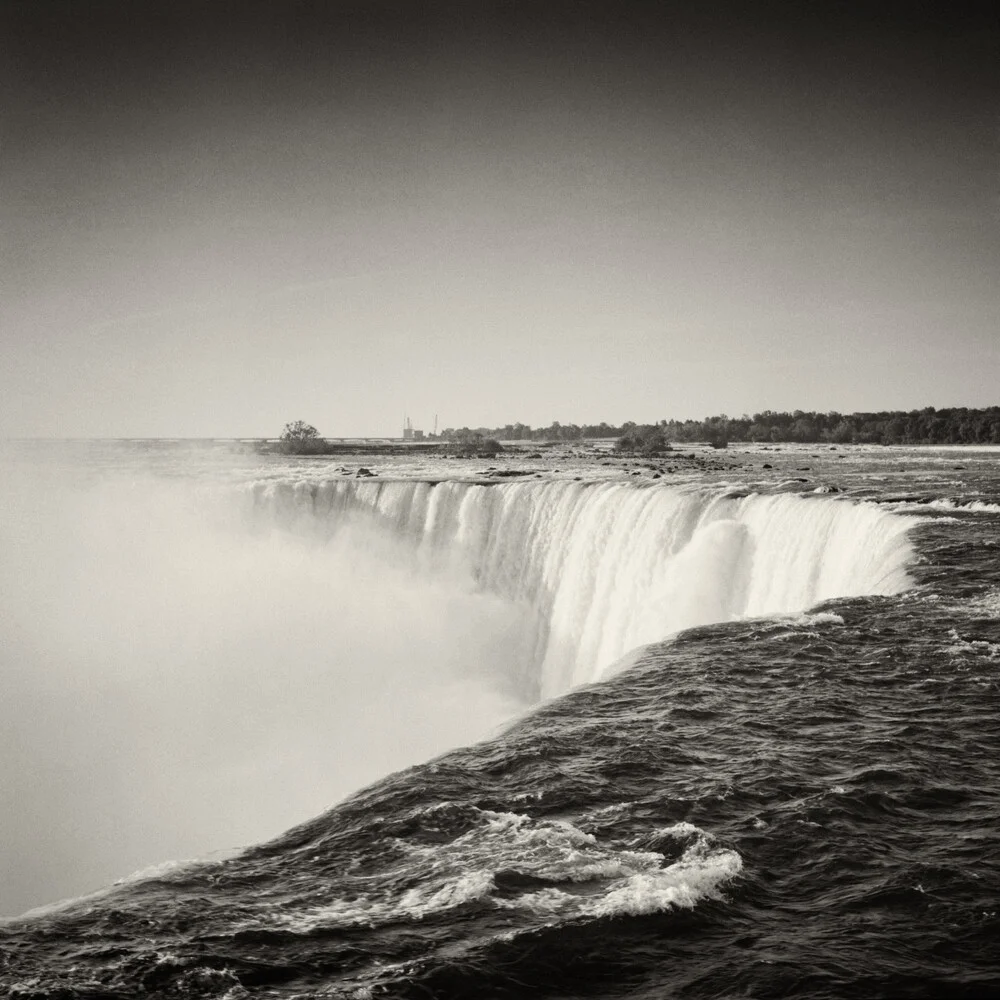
[[755, 748]]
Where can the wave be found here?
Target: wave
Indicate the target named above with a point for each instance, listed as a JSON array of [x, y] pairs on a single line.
[[541, 868], [607, 567], [946, 503]]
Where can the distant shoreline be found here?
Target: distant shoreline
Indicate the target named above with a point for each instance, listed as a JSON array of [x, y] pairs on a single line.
[[400, 446]]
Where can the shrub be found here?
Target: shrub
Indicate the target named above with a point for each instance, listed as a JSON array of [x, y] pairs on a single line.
[[647, 440], [476, 446], [300, 438]]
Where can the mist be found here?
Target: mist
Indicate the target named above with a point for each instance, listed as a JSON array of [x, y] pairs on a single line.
[[177, 679]]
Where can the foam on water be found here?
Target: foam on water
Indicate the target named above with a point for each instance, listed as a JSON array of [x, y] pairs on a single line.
[[947, 503], [586, 878], [641, 882], [960, 646]]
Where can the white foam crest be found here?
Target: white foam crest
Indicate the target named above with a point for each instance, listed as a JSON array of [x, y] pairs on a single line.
[[982, 505], [947, 503], [699, 875], [987, 603], [640, 883], [370, 911], [555, 850], [960, 646], [462, 871], [805, 618], [612, 566]]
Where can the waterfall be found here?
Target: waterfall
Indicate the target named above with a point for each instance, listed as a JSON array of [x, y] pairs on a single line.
[[611, 566]]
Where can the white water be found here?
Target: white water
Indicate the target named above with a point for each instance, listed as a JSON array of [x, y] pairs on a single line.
[[607, 567], [449, 875], [182, 673]]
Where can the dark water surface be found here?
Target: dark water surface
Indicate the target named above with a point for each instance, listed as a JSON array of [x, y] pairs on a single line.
[[804, 806]]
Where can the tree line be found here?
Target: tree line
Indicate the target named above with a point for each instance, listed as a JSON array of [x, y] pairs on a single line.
[[954, 425]]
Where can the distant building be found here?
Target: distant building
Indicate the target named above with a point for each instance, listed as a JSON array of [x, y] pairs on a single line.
[[409, 433]]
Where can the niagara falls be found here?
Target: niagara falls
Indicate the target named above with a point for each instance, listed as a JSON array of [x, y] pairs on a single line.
[[499, 500], [540, 718]]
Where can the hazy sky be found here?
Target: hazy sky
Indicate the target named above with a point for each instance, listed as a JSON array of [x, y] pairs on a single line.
[[219, 217]]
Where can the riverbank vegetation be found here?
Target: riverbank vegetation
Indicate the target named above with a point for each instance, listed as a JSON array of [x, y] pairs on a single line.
[[955, 425]]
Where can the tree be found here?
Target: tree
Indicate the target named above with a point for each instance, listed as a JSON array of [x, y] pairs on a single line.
[[299, 438], [649, 439]]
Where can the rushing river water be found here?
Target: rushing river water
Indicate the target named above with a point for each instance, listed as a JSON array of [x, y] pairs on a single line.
[[737, 729]]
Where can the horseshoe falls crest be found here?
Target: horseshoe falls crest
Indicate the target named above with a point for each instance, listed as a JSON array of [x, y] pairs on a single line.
[[609, 567], [605, 737]]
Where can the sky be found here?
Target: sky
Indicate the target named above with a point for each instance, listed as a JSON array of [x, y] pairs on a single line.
[[217, 218]]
